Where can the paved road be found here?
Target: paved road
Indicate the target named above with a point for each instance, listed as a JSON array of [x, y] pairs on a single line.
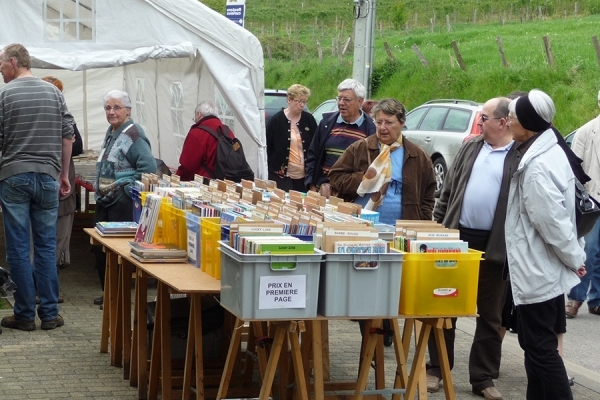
[[65, 363]]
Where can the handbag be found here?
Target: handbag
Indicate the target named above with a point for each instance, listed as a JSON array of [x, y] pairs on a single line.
[[587, 210]]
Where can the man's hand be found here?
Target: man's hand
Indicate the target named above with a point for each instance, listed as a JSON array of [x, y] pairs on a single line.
[[65, 186], [581, 271]]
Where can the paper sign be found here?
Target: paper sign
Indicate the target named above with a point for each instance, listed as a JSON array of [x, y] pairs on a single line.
[[282, 292]]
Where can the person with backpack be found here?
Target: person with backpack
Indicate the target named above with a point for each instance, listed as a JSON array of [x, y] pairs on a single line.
[[211, 150]]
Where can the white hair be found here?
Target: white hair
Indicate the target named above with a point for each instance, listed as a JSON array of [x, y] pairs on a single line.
[[207, 108], [120, 95], [542, 104], [354, 85]]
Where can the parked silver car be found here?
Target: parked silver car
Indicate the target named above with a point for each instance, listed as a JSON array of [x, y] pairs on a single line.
[[440, 127]]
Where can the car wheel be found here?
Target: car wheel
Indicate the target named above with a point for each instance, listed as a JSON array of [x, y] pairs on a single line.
[[440, 170]]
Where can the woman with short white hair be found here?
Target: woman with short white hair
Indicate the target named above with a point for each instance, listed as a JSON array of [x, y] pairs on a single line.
[[544, 256]]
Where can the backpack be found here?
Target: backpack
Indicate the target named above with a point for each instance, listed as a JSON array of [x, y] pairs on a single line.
[[231, 162]]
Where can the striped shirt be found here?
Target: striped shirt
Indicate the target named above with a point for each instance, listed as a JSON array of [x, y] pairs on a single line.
[[341, 137], [33, 121]]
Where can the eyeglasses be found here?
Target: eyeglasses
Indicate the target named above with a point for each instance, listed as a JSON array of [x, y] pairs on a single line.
[[344, 100], [485, 117], [115, 108], [385, 124], [511, 118], [301, 102]]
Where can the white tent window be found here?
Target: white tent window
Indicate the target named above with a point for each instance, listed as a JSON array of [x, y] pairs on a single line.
[[69, 20], [225, 113], [177, 111], [140, 102]]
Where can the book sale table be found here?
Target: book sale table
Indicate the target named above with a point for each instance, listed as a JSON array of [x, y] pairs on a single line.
[[125, 339]]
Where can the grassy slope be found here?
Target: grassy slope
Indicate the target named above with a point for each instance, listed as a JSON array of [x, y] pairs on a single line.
[[573, 83]]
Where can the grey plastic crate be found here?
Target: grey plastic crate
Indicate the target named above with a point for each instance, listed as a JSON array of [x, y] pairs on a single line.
[[385, 231], [240, 282], [360, 285]]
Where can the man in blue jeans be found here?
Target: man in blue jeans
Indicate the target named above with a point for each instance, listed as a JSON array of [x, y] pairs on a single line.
[[586, 145], [36, 132]]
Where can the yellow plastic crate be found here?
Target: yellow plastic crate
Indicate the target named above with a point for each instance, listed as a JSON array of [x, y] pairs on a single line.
[[174, 226], [210, 256], [159, 234], [442, 284]]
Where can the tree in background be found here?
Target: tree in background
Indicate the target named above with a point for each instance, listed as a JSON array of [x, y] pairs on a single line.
[[399, 14]]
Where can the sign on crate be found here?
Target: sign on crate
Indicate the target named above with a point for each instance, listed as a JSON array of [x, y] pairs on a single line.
[[282, 292]]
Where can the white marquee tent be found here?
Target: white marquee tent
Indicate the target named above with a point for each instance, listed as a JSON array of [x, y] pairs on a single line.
[[167, 54]]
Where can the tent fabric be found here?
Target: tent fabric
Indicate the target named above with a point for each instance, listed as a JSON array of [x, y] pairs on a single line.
[[167, 54]]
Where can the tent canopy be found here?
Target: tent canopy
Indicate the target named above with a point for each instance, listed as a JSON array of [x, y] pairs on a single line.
[[169, 55]]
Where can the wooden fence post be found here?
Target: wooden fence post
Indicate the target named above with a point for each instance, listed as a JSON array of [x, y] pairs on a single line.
[[576, 9], [501, 50], [474, 16], [430, 25], [597, 48], [346, 45], [269, 53], [458, 56], [295, 53], [420, 55], [448, 27], [320, 51], [339, 51], [389, 51], [548, 51]]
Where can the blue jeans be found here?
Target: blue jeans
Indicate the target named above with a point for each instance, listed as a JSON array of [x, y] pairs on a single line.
[[30, 202], [589, 287]]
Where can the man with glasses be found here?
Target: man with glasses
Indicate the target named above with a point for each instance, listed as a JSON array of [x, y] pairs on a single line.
[[473, 200], [336, 132], [34, 173]]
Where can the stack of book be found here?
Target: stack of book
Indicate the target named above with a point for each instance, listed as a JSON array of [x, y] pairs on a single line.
[[116, 228], [164, 252]]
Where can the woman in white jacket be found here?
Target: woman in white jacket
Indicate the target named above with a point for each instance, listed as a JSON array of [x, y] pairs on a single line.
[[544, 255]]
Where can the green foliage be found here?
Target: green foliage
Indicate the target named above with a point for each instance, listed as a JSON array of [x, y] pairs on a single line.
[[381, 73], [217, 5], [282, 48], [593, 6], [399, 14]]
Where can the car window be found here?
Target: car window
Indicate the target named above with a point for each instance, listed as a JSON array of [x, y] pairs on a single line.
[[457, 120], [414, 117], [433, 120], [276, 101]]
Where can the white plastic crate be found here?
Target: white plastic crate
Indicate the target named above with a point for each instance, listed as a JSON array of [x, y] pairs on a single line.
[[246, 280], [360, 285]]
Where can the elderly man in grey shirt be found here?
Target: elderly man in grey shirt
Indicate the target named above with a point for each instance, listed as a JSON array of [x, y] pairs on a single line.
[[36, 132]]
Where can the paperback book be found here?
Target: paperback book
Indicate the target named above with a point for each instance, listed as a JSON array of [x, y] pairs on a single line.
[[105, 228], [149, 250]]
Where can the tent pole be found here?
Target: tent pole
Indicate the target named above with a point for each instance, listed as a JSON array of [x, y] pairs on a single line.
[[85, 119]]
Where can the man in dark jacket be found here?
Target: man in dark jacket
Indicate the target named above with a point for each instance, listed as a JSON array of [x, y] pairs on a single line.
[[336, 132], [473, 200]]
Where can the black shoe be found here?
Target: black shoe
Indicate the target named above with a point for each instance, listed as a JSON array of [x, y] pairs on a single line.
[[99, 301], [387, 340]]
